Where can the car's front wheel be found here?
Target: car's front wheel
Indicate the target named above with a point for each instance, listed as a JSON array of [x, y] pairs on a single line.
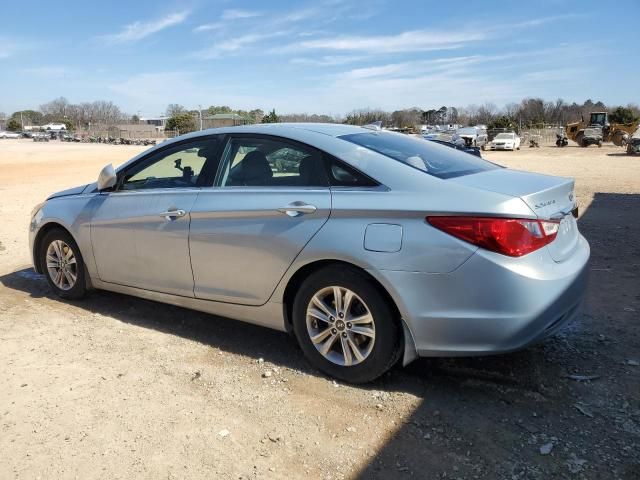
[[62, 264], [345, 326]]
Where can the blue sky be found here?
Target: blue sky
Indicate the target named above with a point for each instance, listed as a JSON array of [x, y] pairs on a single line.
[[325, 56]]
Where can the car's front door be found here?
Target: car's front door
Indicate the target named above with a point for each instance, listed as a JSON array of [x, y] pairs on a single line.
[[271, 197], [140, 230]]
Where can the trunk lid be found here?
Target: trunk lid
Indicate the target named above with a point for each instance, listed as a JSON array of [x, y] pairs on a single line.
[[547, 196]]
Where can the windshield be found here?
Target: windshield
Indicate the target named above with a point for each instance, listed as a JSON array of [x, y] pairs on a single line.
[[505, 136], [466, 131], [434, 159]]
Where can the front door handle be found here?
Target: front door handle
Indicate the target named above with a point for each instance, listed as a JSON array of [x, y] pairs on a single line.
[[173, 213], [296, 209]]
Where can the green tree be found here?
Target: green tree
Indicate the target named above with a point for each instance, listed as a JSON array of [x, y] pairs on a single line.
[[622, 115], [29, 117], [272, 117], [502, 122], [135, 119], [183, 122], [215, 109], [14, 125]]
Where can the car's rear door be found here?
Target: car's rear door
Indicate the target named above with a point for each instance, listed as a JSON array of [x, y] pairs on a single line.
[[140, 231], [271, 197]]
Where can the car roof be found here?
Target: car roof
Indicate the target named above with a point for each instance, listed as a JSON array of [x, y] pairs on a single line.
[[331, 129]]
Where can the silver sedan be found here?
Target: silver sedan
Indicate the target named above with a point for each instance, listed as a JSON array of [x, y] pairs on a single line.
[[371, 247]]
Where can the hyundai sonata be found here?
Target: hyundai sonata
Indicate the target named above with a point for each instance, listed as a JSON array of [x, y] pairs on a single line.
[[371, 247]]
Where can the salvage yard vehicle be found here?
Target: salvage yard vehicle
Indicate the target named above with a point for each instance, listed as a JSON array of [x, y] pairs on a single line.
[[443, 139], [591, 136], [505, 141], [585, 134], [472, 136], [633, 145], [6, 134], [371, 247]]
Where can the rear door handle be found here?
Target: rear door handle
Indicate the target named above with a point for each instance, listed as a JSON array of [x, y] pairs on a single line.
[[296, 209], [173, 213]]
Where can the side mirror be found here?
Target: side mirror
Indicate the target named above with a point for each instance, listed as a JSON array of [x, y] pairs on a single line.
[[107, 178]]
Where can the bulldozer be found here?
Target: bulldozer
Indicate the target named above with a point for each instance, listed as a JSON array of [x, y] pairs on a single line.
[[597, 131]]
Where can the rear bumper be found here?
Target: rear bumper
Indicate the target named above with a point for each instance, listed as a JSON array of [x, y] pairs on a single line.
[[491, 304]]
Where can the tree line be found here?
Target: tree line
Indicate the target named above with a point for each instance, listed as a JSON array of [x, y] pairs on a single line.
[[529, 113]]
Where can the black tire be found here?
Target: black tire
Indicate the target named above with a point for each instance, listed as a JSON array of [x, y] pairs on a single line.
[[78, 290], [386, 348]]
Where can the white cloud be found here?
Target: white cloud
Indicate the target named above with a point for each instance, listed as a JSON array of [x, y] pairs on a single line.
[[411, 41], [208, 27], [235, 14], [139, 30], [10, 46], [235, 44], [326, 60], [52, 71]]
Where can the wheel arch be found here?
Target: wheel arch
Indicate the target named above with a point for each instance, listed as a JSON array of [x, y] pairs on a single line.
[[44, 229], [294, 282]]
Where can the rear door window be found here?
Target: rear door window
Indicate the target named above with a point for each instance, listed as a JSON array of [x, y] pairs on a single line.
[[271, 162]]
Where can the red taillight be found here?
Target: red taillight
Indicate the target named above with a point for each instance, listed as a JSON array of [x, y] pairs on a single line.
[[509, 236]]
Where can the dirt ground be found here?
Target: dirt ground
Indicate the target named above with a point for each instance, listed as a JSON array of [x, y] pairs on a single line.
[[117, 387]]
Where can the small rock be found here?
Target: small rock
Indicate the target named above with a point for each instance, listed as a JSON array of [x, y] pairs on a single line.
[[196, 376], [546, 448], [266, 374], [583, 409], [351, 429], [379, 406], [223, 433], [633, 363], [629, 309], [261, 360]]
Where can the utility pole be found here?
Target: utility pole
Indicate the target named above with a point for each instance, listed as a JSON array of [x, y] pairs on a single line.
[[21, 121], [200, 112]]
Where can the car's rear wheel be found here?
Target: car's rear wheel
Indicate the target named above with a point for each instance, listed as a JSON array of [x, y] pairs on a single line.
[[62, 264], [345, 326]]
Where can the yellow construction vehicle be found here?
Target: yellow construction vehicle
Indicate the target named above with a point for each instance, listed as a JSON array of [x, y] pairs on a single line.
[[598, 130]]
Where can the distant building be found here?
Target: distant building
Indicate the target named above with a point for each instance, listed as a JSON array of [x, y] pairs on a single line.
[[223, 120], [158, 122]]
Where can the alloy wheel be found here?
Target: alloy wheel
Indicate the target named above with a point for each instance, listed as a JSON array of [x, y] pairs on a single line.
[[61, 265], [340, 326]]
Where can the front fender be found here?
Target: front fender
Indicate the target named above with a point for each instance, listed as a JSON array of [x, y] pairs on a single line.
[[73, 213]]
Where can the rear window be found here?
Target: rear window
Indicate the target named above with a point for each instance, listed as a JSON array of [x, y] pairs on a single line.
[[437, 160]]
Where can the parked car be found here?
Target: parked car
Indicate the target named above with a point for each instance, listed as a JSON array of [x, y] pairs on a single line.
[[505, 141], [374, 248], [7, 134], [472, 136], [40, 137]]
